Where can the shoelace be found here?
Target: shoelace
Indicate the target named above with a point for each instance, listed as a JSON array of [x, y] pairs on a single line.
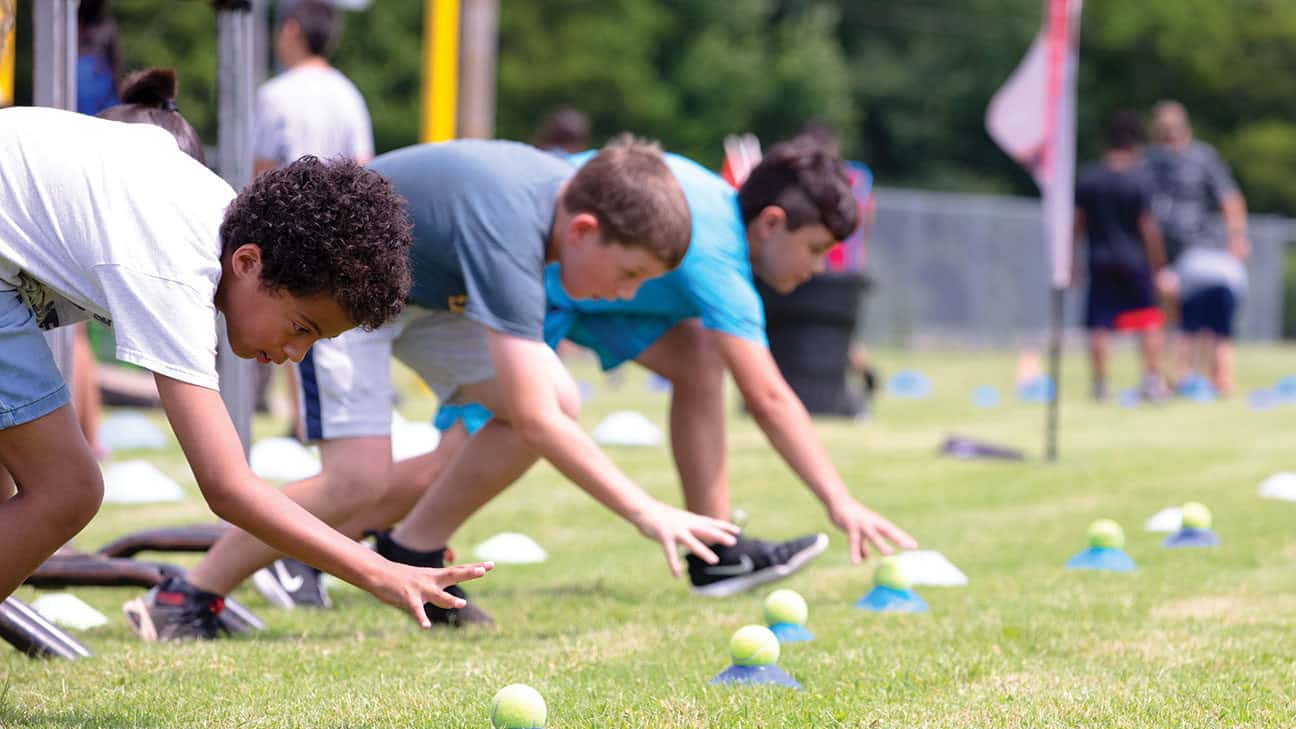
[[205, 616]]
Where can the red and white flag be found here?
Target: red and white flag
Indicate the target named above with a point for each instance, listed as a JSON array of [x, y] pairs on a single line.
[[1033, 118]]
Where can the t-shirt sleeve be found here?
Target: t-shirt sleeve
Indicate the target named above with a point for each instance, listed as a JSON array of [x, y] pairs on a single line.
[[719, 281], [502, 260], [162, 325], [1221, 179], [268, 129], [362, 146]]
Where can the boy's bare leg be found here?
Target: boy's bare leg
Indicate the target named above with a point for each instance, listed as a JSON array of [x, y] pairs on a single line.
[[686, 357], [85, 387], [60, 491], [1098, 339], [1222, 365], [355, 476]]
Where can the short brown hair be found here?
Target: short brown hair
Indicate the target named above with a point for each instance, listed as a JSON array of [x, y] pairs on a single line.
[[318, 23], [805, 178], [637, 201]]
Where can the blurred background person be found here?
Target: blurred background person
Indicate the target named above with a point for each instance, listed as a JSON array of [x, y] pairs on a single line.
[[565, 130]]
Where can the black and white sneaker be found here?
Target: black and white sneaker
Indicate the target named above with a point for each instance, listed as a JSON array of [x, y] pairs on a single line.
[[751, 562], [469, 614], [175, 610], [287, 584]]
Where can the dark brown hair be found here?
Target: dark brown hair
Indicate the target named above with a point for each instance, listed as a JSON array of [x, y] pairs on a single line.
[[318, 23], [805, 178], [148, 97], [565, 128], [637, 201], [1124, 129], [327, 227]]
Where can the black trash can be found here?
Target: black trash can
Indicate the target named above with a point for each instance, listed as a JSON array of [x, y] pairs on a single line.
[[810, 332]]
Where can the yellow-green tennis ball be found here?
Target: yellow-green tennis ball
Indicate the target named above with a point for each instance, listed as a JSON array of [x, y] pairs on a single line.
[[518, 706], [754, 645], [890, 573], [785, 606], [1196, 516], [1106, 534]]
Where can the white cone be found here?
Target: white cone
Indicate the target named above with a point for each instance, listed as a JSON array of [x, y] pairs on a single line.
[[68, 611], [1167, 520], [627, 428], [130, 430], [1281, 486], [929, 567], [511, 548], [138, 482], [283, 459]]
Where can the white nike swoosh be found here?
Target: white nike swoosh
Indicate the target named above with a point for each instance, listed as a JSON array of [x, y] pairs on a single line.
[[290, 583], [744, 566]]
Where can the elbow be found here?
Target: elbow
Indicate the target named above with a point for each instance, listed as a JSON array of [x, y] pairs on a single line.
[[224, 503]]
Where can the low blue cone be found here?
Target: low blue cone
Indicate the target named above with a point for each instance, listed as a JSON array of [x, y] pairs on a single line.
[[882, 599], [1286, 388], [1196, 388], [1036, 389], [1130, 398], [1264, 399], [769, 674], [657, 383], [909, 383], [1101, 558], [791, 633], [1188, 537], [985, 396]]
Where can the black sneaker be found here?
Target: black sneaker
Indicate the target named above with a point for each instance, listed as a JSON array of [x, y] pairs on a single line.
[[469, 614], [175, 610], [287, 584], [751, 562]]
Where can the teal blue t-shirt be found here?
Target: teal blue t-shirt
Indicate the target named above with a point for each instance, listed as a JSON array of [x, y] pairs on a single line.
[[713, 282]]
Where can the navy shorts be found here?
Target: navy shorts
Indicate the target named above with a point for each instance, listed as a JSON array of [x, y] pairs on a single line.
[[1120, 295], [1209, 310]]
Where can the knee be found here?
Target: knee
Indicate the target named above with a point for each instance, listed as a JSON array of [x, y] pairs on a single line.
[[569, 398], [77, 505], [350, 489]]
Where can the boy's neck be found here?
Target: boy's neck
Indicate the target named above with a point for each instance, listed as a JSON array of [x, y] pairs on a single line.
[[310, 62], [1121, 159]]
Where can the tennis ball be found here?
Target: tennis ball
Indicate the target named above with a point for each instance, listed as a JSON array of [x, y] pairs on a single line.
[[890, 573], [785, 606], [1196, 516], [1106, 534], [518, 706], [754, 645]]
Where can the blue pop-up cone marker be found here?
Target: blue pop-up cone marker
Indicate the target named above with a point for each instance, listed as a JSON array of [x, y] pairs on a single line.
[[1036, 389], [1130, 397], [985, 396], [1196, 529], [909, 383], [1264, 399], [892, 590], [785, 614], [1196, 388], [755, 651], [1105, 551], [1286, 388]]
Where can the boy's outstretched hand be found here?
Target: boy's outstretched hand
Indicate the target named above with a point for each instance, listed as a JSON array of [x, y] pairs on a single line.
[[863, 527], [672, 528], [409, 587]]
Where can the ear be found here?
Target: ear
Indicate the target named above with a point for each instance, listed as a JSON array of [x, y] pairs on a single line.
[[771, 218], [246, 260], [582, 227]]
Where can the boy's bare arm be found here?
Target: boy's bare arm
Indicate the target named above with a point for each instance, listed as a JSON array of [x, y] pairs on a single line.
[[779, 413], [234, 493], [531, 401], [1153, 243]]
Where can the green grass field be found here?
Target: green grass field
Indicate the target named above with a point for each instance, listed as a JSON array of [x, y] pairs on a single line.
[[1193, 638]]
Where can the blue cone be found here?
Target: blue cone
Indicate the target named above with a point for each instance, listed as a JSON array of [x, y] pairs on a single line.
[[1130, 398], [883, 599], [1101, 558], [756, 675], [791, 633], [1036, 389], [985, 396], [1196, 388], [909, 383], [1286, 388], [1187, 537], [1264, 399]]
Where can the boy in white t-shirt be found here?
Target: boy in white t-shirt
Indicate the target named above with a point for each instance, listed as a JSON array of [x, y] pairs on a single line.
[[113, 221]]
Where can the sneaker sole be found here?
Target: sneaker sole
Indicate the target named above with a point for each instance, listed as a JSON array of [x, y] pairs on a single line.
[[736, 585], [137, 618], [269, 587]]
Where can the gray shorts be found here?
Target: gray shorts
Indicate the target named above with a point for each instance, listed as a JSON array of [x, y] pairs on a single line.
[[344, 384]]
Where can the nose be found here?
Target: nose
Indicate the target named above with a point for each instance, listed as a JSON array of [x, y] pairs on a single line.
[[292, 352], [628, 291]]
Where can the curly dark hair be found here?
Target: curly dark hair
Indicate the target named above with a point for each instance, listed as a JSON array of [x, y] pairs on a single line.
[[805, 177], [327, 227]]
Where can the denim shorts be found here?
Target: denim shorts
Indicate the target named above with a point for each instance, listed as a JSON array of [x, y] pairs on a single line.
[[30, 383]]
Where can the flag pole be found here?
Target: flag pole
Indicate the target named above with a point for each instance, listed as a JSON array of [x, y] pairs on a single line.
[[1055, 374]]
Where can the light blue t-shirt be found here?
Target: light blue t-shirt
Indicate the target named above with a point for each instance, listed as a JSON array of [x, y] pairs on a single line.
[[713, 282]]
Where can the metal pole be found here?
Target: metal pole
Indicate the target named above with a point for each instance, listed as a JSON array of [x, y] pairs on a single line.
[[479, 46], [1055, 375], [54, 48], [234, 97]]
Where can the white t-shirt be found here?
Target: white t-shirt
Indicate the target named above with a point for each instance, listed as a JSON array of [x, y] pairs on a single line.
[[312, 110], [112, 220]]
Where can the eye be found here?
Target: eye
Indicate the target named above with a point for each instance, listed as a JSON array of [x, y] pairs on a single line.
[[298, 329]]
